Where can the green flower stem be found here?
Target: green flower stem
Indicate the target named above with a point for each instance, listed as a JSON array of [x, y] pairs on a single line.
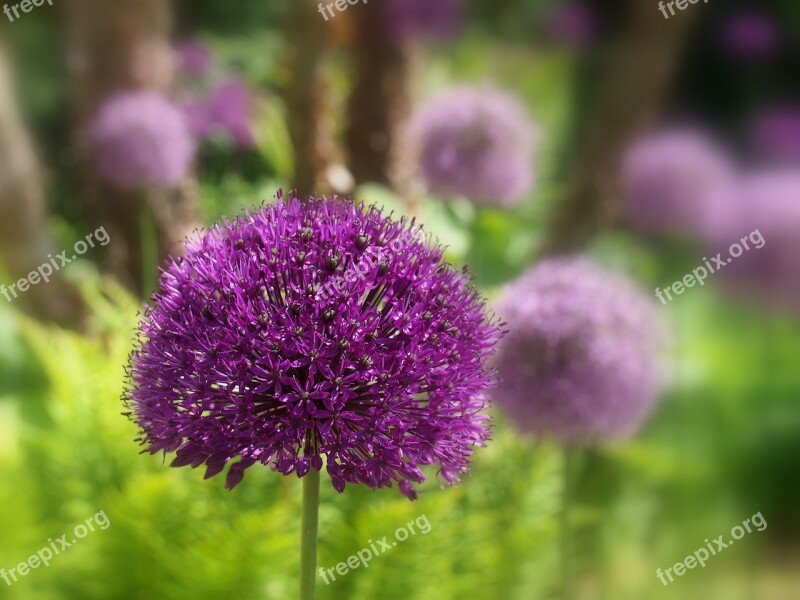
[[308, 539], [566, 525]]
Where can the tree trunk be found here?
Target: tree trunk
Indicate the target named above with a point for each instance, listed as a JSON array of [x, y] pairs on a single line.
[[380, 99], [624, 96], [308, 99], [115, 46], [24, 239]]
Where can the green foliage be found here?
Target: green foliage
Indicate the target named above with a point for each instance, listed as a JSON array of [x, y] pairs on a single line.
[[174, 535]]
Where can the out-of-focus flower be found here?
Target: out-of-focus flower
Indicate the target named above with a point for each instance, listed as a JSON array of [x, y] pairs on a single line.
[[140, 139], [422, 19], [240, 358], [750, 34], [226, 111], [194, 58], [581, 360], [769, 202], [776, 134], [677, 182], [476, 142], [573, 24]]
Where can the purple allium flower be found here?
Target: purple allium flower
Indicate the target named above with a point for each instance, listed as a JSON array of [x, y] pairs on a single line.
[[240, 358], [139, 139], [573, 24], [194, 58], [580, 362], [750, 34], [776, 134], [769, 207], [423, 19], [476, 142], [226, 110], [677, 181]]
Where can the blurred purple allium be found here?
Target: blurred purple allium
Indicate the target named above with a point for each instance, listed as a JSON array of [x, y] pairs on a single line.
[[769, 203], [194, 58], [677, 181], [139, 139], [422, 19], [477, 142], [581, 360], [573, 24], [227, 110], [750, 34], [240, 358], [776, 134]]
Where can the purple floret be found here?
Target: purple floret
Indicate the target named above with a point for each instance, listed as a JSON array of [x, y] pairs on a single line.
[[751, 35], [240, 359], [422, 19], [227, 111], [776, 134], [572, 24], [194, 58], [580, 362], [478, 143], [141, 139], [768, 217], [677, 181]]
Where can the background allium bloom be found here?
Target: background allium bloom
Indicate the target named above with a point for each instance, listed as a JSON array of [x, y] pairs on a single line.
[[776, 134], [476, 142], [226, 111], [580, 362], [422, 19], [573, 24], [140, 139], [677, 182], [751, 35], [770, 202], [240, 358], [194, 58]]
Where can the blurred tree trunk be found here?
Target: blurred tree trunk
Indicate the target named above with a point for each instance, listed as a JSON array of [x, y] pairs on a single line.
[[380, 99], [623, 93], [115, 46], [308, 99], [24, 239]]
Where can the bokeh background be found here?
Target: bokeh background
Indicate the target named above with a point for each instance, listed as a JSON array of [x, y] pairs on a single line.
[[654, 143]]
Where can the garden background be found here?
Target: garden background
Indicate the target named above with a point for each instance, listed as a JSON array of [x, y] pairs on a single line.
[[324, 106]]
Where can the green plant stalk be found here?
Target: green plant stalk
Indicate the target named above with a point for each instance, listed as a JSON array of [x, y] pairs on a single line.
[[308, 535], [565, 521]]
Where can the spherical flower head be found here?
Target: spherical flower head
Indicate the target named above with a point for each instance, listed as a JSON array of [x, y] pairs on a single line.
[[751, 35], [476, 142], [768, 216], [776, 134], [140, 139], [580, 361], [315, 331], [677, 182], [194, 58], [422, 19], [572, 24], [226, 111]]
